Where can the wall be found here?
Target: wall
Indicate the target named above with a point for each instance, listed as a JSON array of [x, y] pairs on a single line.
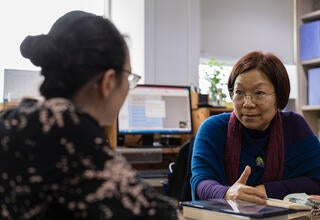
[[177, 33], [231, 28], [164, 38], [172, 41], [129, 17]]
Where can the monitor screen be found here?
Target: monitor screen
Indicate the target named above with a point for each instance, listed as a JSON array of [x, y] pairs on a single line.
[[156, 109]]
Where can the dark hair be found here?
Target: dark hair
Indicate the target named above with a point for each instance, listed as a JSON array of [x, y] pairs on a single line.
[[79, 46], [270, 65]]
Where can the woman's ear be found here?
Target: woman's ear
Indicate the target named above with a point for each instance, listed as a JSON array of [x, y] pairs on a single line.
[[108, 82]]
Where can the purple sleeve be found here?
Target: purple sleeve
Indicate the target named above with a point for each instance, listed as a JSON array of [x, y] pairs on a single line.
[[279, 189], [209, 189]]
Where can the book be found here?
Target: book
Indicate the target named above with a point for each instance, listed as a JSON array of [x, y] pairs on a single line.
[[287, 204], [232, 209]]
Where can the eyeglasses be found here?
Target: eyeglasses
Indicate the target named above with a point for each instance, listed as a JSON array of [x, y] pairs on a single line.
[[133, 79], [258, 97]]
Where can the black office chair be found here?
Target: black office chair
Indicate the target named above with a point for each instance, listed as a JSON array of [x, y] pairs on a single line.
[[180, 173]]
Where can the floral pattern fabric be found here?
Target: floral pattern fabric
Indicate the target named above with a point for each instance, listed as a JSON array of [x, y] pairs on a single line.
[[55, 163]]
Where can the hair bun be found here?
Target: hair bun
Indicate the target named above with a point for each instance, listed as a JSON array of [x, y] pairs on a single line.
[[78, 46], [41, 50]]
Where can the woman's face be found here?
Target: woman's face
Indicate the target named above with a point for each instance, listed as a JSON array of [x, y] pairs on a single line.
[[254, 100], [120, 92]]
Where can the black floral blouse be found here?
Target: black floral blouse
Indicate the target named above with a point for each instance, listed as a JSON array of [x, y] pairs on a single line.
[[55, 163]]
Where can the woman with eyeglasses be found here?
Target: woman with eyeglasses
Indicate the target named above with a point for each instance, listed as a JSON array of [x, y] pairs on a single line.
[[55, 161], [257, 151]]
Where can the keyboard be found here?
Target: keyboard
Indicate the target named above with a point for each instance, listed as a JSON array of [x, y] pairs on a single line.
[[154, 173], [151, 146]]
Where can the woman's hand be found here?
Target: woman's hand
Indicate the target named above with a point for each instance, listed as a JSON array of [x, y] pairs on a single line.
[[261, 188], [240, 191]]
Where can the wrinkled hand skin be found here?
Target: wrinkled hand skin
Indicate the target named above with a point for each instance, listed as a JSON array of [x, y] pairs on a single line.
[[240, 191]]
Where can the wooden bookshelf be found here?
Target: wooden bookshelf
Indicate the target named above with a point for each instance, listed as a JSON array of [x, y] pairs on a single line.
[[306, 13], [200, 114]]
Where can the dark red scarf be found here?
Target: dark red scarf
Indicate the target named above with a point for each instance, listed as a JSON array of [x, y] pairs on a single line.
[[275, 150]]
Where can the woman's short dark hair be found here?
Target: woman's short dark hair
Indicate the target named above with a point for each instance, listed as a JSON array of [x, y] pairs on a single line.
[[270, 65], [78, 47]]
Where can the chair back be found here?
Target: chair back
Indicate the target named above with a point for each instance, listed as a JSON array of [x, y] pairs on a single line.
[[179, 178]]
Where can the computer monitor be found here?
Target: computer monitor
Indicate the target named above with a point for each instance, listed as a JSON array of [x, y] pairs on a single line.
[[156, 109]]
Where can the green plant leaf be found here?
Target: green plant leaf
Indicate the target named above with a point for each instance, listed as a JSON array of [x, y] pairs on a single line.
[[214, 77]]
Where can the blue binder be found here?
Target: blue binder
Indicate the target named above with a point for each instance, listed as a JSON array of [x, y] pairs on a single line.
[[310, 40], [314, 86]]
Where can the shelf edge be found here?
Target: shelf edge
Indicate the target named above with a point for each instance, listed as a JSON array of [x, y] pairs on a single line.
[[311, 108], [311, 16], [315, 61]]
